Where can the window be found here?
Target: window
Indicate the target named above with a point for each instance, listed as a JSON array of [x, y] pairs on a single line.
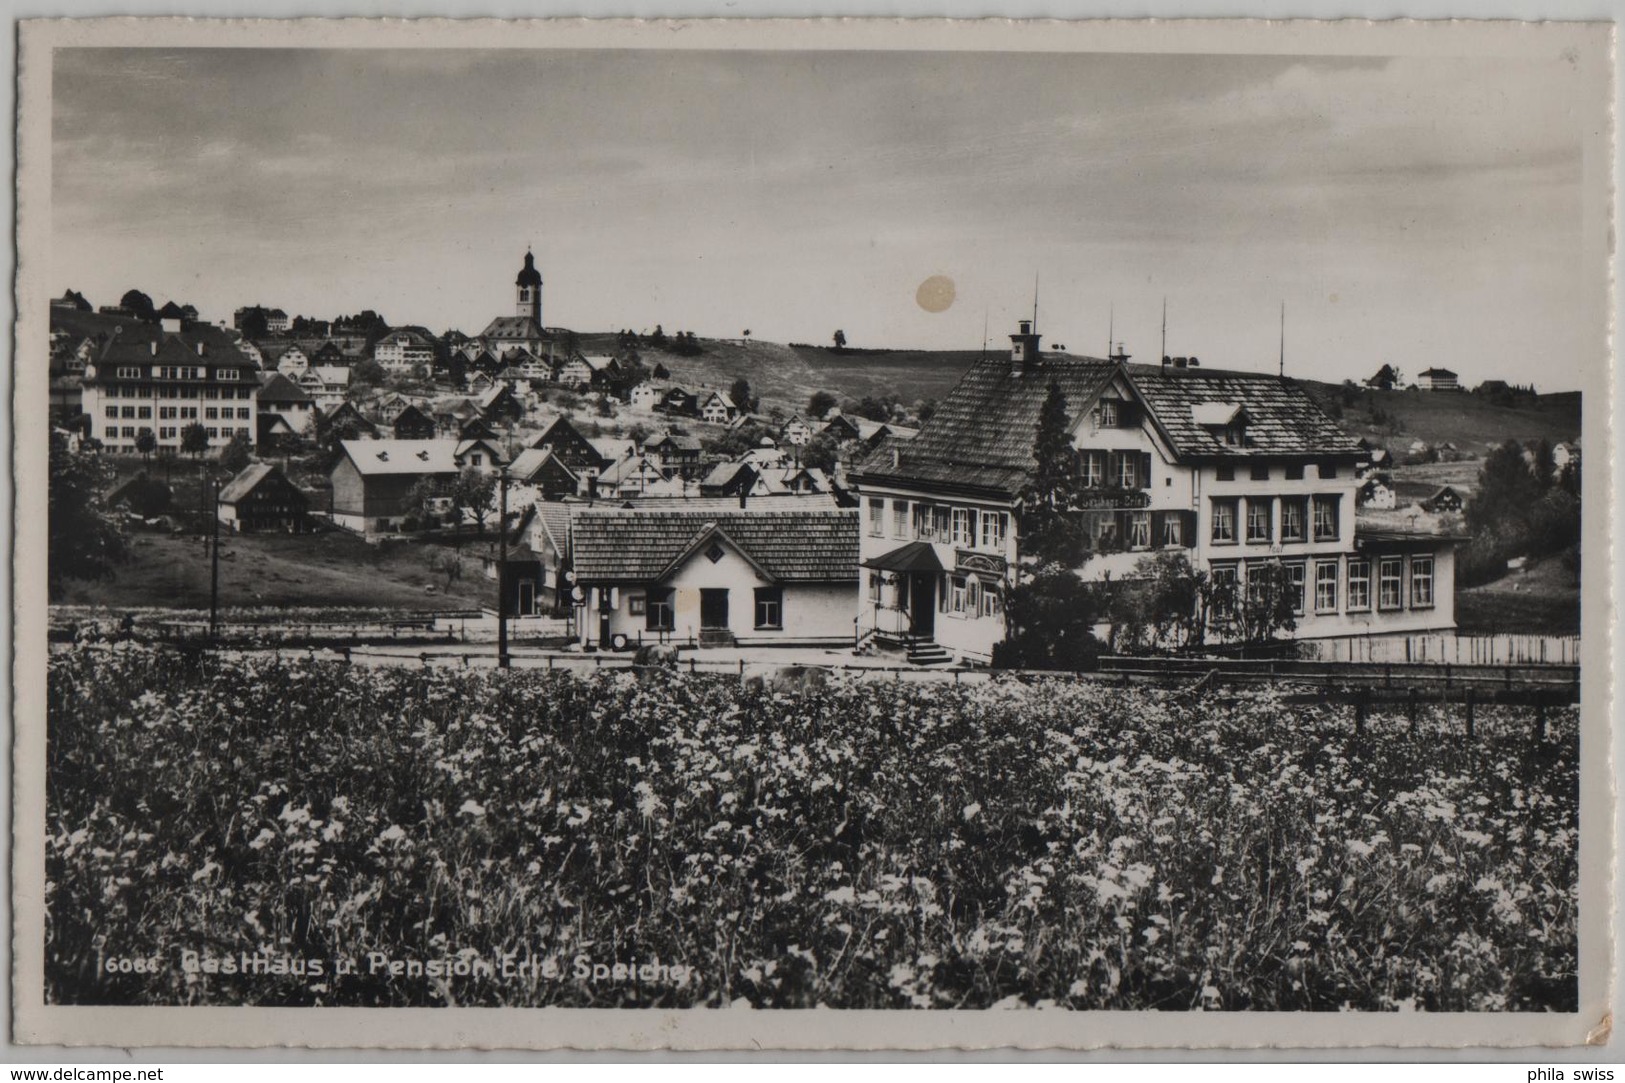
[[242, 432], [1128, 474], [189, 413], [1328, 470], [128, 432], [770, 607], [128, 411], [1326, 518], [211, 413], [1259, 513], [899, 518], [1139, 530], [956, 594], [478, 458], [213, 433], [1326, 586], [166, 433], [1294, 586], [658, 613], [973, 598], [111, 432], [939, 523], [225, 374], [242, 413], [1359, 584], [1108, 413], [112, 411], [1173, 529], [144, 412], [964, 530], [166, 412], [211, 392], [1259, 472], [993, 530], [1093, 467], [1421, 582], [127, 372], [1389, 585], [1226, 472], [990, 600], [1225, 581], [877, 517], [1292, 521], [1294, 472], [1224, 522]]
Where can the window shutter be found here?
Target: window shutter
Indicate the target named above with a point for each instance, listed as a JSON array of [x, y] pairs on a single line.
[[1188, 535], [1145, 470]]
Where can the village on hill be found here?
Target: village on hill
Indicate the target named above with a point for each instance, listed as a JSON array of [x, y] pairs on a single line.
[[598, 495]]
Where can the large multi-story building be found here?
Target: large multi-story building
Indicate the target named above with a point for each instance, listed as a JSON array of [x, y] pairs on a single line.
[[1233, 470], [166, 377]]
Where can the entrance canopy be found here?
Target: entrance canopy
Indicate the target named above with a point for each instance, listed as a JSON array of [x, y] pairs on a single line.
[[914, 557]]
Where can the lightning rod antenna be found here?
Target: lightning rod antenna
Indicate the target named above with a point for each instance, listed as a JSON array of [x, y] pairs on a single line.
[[1283, 339]]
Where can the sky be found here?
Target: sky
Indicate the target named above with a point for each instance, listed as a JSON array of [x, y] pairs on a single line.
[[1414, 211]]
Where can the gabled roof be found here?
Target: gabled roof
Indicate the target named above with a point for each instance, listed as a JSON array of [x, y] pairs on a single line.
[[675, 442], [465, 446], [529, 462], [1436, 372], [278, 388], [245, 482], [1279, 416], [379, 457], [723, 397], [981, 435], [642, 545], [512, 329], [333, 374]]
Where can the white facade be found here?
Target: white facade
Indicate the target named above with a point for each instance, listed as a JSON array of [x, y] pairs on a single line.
[[399, 353]]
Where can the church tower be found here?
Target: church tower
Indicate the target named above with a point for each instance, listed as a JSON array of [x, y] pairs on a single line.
[[529, 284]]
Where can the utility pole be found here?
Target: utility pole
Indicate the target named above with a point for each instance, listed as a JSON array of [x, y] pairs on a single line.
[[214, 566], [502, 569]]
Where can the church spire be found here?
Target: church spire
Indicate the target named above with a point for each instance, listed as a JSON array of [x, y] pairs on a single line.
[[529, 287]]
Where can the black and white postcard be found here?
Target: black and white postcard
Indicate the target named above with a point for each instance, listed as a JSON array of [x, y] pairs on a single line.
[[864, 535]]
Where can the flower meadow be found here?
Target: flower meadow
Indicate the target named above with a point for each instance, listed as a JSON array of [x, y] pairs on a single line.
[[248, 831]]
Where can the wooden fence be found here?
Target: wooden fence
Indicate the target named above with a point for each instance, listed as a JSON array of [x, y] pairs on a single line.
[[1446, 648]]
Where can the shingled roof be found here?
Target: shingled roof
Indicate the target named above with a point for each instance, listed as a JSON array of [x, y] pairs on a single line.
[[981, 436], [642, 546], [1280, 417], [278, 388]]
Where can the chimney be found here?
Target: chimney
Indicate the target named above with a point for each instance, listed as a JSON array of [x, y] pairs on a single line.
[[896, 457], [1024, 349], [744, 496], [154, 347], [200, 349]]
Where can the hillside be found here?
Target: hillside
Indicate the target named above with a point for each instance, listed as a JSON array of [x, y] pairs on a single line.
[[786, 375]]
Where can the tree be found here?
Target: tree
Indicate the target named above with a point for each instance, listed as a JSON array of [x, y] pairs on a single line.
[[236, 455], [194, 439], [739, 392], [661, 372], [1051, 621], [1049, 532], [924, 409], [821, 452], [639, 434], [875, 407], [146, 443], [368, 373], [426, 501], [821, 403], [1507, 488], [472, 492], [840, 340], [86, 541], [140, 304]]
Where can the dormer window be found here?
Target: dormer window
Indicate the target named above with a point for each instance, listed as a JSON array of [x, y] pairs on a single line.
[[1108, 413]]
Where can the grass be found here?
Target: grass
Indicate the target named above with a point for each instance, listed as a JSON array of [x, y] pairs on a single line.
[[327, 569], [1049, 844], [1542, 600]]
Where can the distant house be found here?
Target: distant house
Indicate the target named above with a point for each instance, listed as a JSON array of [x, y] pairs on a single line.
[[261, 499], [679, 402], [400, 352], [572, 448], [373, 480], [1444, 499], [1564, 453], [636, 478], [499, 406], [585, 372], [740, 576], [291, 361], [333, 384], [796, 431], [1376, 492], [276, 321], [450, 415], [842, 429], [479, 454], [328, 353], [679, 455], [1437, 379], [645, 396], [346, 418], [718, 408], [535, 578], [281, 397], [730, 479], [412, 423], [545, 474]]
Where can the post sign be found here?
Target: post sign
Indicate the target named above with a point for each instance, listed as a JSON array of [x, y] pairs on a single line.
[[979, 562], [1114, 498]]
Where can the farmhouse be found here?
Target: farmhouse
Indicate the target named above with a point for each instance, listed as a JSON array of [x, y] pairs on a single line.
[[1231, 470], [679, 455], [280, 397], [373, 479], [543, 474], [718, 408], [715, 577], [1443, 499], [412, 423], [261, 498], [533, 579], [1376, 492], [566, 442]]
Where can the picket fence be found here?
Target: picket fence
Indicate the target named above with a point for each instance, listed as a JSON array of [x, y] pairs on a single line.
[[1446, 648]]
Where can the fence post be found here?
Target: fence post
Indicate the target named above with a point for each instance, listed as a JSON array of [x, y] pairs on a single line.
[[1540, 716], [1469, 712]]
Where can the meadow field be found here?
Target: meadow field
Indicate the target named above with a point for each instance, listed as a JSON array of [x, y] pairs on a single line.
[[257, 832]]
